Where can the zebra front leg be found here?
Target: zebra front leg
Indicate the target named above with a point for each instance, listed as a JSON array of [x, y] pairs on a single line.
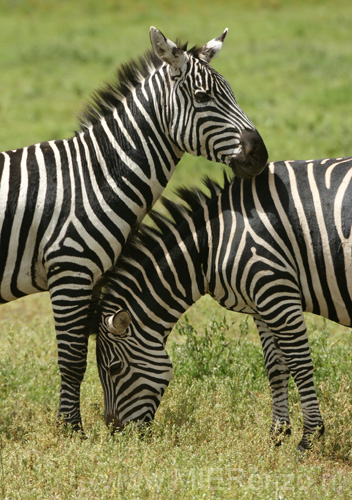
[[70, 308], [278, 375], [72, 356], [292, 340]]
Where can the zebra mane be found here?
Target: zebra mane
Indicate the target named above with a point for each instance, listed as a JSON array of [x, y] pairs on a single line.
[[127, 77], [194, 200]]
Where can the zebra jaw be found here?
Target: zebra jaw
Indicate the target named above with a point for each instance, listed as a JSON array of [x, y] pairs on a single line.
[[118, 323]]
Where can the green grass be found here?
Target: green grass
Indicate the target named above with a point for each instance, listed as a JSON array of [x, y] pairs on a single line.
[[289, 65], [210, 437]]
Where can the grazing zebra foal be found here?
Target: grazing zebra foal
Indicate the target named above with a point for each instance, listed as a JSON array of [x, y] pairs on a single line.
[[68, 206], [271, 247]]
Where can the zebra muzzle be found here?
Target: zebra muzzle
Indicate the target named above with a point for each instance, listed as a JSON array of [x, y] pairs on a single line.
[[114, 423], [252, 157]]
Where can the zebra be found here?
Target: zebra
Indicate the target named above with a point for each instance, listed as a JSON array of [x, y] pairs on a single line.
[[271, 247], [67, 207]]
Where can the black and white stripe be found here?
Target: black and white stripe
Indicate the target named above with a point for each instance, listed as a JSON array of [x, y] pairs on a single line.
[[67, 207], [271, 247]]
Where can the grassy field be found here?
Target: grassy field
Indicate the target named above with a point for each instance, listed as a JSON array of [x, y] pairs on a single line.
[[289, 64]]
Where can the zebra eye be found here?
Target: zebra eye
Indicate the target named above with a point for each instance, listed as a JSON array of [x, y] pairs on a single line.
[[115, 368], [202, 96]]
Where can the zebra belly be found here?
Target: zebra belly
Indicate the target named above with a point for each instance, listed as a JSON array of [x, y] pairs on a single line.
[[330, 298], [327, 287]]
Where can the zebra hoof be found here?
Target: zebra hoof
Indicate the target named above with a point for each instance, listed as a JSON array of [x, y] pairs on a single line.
[[279, 431], [70, 429], [308, 440]]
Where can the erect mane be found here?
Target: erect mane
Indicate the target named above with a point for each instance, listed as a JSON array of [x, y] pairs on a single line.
[[127, 77], [193, 200]]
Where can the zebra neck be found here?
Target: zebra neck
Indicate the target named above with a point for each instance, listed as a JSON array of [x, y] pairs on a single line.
[[170, 278], [132, 143], [129, 157]]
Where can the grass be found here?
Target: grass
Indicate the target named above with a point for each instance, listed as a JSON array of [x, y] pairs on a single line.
[[209, 440], [289, 65]]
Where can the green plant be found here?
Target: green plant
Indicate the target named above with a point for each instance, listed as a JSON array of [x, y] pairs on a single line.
[[211, 353], [217, 352]]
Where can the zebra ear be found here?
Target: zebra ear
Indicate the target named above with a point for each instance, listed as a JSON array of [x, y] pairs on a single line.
[[119, 322], [212, 48], [167, 50]]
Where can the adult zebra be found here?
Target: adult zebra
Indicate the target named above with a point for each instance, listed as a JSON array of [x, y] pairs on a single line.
[[271, 247], [67, 207]]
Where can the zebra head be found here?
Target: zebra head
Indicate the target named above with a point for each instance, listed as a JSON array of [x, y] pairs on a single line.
[[202, 112], [134, 370]]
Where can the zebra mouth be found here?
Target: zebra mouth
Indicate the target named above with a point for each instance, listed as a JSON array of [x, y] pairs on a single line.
[[239, 164], [115, 425], [250, 157], [241, 167]]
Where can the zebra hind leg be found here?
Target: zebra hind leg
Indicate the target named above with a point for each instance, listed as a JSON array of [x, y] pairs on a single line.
[[310, 434], [292, 341]]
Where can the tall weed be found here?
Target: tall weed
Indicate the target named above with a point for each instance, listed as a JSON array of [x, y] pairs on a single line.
[[215, 352]]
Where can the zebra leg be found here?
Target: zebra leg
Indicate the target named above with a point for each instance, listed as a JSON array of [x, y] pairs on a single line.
[[70, 308], [278, 375], [72, 355], [290, 332]]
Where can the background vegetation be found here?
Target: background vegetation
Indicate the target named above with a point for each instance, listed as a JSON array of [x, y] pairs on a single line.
[[289, 64]]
